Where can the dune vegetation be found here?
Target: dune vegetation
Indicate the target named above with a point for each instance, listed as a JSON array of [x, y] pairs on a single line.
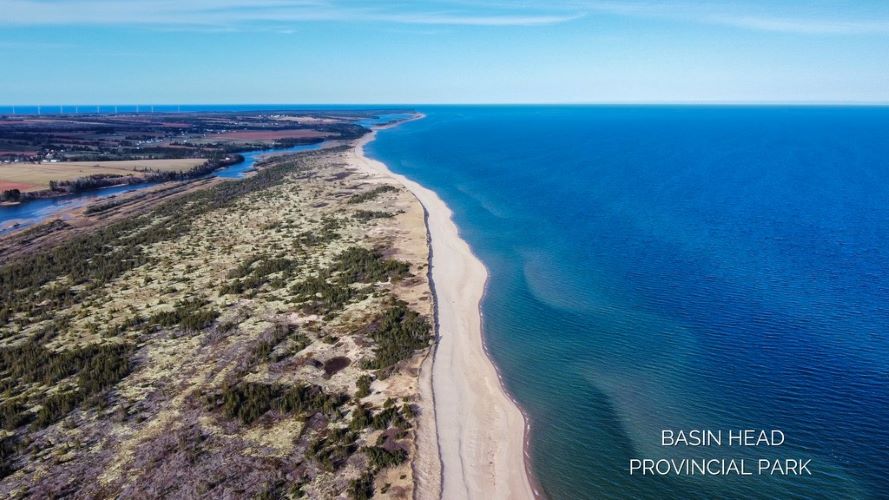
[[257, 338]]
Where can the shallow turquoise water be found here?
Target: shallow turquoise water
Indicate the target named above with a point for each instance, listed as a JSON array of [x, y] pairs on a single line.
[[674, 268]]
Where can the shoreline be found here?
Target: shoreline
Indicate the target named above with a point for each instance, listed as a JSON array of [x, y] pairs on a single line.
[[481, 432]]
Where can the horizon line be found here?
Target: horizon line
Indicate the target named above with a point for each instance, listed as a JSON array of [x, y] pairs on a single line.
[[53, 107]]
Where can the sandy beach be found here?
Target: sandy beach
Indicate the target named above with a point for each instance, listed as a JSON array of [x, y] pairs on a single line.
[[479, 430]]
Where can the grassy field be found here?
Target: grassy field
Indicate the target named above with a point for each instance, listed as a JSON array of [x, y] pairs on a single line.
[[35, 177]]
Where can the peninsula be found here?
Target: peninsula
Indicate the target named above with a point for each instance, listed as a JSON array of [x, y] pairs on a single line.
[[277, 336]]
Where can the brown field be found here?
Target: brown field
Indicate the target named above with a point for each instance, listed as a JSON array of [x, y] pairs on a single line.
[[21, 186], [266, 135], [38, 175]]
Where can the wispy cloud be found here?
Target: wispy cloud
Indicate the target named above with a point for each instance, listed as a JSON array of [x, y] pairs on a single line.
[[806, 17], [223, 13], [809, 17], [805, 26], [490, 20], [32, 45]]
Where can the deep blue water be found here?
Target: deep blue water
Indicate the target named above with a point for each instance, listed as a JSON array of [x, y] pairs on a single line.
[[675, 268]]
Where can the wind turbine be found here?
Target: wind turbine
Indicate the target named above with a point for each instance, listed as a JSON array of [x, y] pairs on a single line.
[[38, 110]]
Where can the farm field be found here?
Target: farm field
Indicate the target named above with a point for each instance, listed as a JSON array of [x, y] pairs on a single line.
[[28, 177]]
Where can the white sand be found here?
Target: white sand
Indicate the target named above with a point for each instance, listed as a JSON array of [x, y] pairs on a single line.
[[480, 429]]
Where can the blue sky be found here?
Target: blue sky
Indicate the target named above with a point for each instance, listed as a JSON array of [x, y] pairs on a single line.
[[446, 51]]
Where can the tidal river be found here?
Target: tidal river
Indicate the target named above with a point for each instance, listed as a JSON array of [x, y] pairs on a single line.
[[32, 212]]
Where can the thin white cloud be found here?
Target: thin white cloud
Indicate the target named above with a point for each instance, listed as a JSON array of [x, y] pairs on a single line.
[[814, 17], [240, 12], [31, 45], [810, 17], [493, 20], [805, 26]]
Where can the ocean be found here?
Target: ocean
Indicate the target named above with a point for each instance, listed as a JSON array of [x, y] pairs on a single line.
[[673, 268]]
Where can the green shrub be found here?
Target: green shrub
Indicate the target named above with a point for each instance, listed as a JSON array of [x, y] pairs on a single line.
[[253, 273], [373, 193], [188, 314], [380, 458], [363, 385], [321, 296], [362, 488], [366, 215], [398, 332], [333, 450], [361, 418], [248, 401], [8, 447], [360, 265], [13, 414], [55, 407]]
